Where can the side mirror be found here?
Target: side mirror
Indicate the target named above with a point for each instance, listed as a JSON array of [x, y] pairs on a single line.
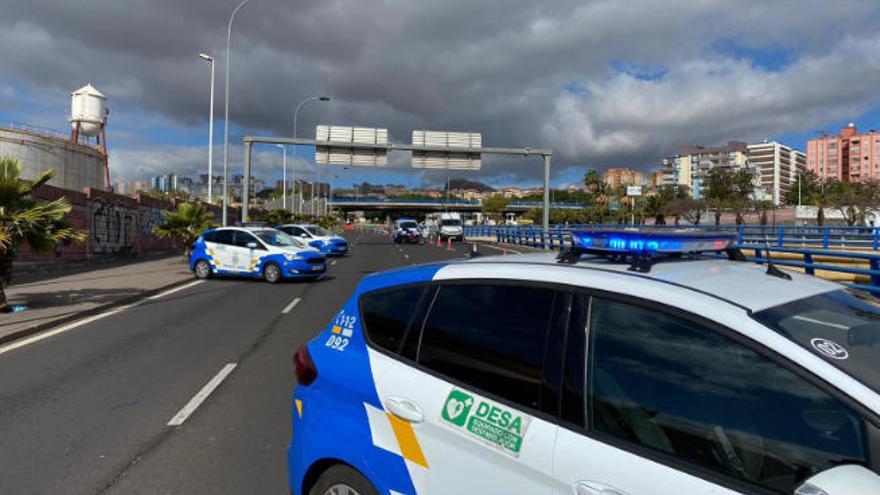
[[848, 479], [252, 245]]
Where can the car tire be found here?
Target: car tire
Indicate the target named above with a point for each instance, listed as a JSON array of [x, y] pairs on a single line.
[[272, 273], [202, 270], [341, 479]]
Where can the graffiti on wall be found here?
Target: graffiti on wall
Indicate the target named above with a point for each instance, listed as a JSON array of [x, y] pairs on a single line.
[[150, 217], [113, 227]]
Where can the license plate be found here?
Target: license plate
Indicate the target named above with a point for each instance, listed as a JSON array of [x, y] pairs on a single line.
[[317, 268]]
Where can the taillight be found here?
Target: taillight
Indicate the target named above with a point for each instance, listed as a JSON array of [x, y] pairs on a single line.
[[306, 372]]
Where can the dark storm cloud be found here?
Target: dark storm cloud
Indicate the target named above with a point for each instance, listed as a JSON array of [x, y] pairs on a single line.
[[500, 67]]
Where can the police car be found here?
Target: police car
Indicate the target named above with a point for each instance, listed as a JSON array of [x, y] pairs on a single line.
[[630, 364], [254, 252], [317, 237]]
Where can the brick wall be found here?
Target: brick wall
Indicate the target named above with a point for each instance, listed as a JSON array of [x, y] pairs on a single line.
[[115, 224]]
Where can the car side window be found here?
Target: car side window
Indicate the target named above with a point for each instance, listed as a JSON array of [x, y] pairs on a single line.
[[209, 236], [223, 237], [242, 239], [678, 388], [491, 337], [387, 315]]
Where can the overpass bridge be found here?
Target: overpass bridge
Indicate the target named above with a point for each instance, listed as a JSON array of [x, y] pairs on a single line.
[[463, 205]]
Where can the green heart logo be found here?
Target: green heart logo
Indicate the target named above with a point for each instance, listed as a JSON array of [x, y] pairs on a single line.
[[457, 407]]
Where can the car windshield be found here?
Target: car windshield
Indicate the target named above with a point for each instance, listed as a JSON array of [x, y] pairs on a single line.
[[450, 223], [841, 326], [276, 238], [317, 230], [409, 225]]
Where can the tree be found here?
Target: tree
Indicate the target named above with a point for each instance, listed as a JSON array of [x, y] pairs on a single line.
[[279, 216], [23, 219], [184, 224], [804, 190], [719, 185], [495, 204]]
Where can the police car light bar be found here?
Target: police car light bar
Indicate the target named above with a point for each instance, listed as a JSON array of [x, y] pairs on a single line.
[[647, 243]]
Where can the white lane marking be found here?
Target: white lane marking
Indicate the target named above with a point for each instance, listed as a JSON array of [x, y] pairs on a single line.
[[85, 321], [406, 256], [289, 307], [332, 263], [172, 291], [202, 394]]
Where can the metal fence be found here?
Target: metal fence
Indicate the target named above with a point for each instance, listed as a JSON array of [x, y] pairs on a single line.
[[805, 248]]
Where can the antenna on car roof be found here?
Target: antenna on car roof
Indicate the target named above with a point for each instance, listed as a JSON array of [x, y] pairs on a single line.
[[771, 267]]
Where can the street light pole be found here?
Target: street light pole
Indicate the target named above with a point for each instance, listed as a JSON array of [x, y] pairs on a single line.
[[313, 209], [283, 176], [210, 60], [226, 117]]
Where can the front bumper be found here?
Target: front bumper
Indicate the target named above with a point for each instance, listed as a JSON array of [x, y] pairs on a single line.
[[334, 249], [304, 269]]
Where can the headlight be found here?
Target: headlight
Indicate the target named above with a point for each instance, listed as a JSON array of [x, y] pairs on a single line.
[[289, 257]]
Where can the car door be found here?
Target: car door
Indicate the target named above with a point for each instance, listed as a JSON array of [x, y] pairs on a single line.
[[221, 248], [248, 252], [470, 386], [669, 404]]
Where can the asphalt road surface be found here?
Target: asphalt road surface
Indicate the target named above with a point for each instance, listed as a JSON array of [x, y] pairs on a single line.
[[87, 411]]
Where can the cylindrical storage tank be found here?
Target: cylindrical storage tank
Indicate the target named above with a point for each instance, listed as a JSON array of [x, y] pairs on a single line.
[[76, 165], [87, 107]]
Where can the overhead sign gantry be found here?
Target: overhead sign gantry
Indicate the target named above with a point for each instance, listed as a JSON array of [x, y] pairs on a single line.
[[363, 146]]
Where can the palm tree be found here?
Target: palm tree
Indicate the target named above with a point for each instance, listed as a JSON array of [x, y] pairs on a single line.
[[185, 224], [23, 219]]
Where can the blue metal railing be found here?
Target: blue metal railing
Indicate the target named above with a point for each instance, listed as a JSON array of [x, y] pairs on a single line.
[[810, 244]]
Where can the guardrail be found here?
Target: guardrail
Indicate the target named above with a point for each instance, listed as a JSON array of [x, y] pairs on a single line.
[[759, 240]]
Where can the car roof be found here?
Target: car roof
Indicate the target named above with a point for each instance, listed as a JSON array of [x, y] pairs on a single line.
[[742, 284]]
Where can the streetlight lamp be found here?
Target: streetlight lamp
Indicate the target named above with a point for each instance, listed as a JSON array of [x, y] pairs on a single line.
[[283, 176], [295, 114], [210, 60], [226, 117]]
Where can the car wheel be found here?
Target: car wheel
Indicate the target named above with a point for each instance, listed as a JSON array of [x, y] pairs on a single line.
[[202, 270], [272, 273], [342, 480]]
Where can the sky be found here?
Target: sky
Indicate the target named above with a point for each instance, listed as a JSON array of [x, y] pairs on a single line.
[[604, 83]]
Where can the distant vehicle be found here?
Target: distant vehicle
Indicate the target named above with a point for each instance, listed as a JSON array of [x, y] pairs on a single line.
[[317, 237], [628, 364], [254, 252], [406, 230], [445, 225]]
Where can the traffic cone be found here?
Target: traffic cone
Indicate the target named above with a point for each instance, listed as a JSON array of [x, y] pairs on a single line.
[[474, 248], [438, 242], [449, 243], [504, 253]]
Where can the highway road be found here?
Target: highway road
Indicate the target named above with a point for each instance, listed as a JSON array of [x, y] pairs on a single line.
[[114, 406]]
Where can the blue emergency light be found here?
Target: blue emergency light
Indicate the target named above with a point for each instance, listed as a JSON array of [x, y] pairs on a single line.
[[638, 242]]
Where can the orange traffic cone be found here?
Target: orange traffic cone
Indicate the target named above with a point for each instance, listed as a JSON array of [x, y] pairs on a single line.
[[449, 243], [438, 242]]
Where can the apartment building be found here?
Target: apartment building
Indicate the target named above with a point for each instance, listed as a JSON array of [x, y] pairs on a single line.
[[847, 157], [616, 177], [689, 167], [776, 167]]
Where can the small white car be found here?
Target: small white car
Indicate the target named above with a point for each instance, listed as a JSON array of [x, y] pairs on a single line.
[[628, 365], [254, 252], [317, 237]]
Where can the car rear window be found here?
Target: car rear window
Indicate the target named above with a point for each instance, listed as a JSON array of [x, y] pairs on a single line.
[[387, 315]]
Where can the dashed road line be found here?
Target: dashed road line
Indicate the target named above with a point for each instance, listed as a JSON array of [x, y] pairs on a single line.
[[289, 307], [201, 395], [333, 263]]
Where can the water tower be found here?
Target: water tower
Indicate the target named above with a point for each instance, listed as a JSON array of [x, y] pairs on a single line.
[[88, 117]]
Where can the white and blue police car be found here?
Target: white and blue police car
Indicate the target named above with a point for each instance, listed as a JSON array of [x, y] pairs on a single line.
[[317, 237], [630, 364], [254, 252]]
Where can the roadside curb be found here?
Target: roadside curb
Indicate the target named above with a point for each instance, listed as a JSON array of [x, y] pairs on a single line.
[[42, 327]]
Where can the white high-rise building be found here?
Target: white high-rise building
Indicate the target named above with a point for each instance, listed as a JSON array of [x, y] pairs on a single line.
[[778, 166]]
